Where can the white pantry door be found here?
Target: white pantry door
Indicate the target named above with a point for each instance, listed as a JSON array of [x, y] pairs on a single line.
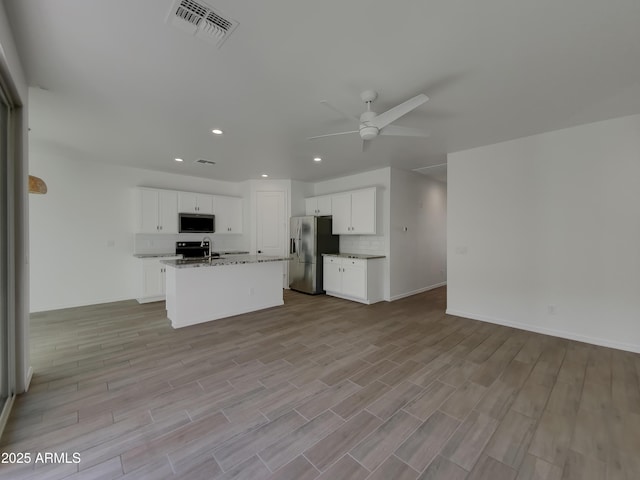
[[271, 226]]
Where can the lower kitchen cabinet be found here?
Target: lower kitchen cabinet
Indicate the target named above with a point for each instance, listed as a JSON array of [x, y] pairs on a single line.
[[153, 276], [355, 279]]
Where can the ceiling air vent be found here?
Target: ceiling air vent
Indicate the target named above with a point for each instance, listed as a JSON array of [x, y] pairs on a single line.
[[205, 162], [201, 20]]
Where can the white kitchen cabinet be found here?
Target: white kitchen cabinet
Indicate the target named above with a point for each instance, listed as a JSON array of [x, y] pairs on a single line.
[[318, 205], [332, 274], [189, 202], [354, 213], [152, 286], [355, 279], [228, 212], [157, 211]]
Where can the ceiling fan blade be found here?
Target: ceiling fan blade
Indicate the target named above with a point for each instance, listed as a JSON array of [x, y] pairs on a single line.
[[333, 134], [365, 145], [403, 131], [398, 111], [337, 110]]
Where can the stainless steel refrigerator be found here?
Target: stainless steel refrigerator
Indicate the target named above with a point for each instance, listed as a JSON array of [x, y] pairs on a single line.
[[310, 238]]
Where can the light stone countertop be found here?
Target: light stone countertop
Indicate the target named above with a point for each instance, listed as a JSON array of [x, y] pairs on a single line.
[[217, 262], [160, 255], [361, 256]]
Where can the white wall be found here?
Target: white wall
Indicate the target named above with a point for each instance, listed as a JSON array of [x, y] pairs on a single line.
[[299, 191], [89, 204], [544, 233], [418, 247], [367, 244]]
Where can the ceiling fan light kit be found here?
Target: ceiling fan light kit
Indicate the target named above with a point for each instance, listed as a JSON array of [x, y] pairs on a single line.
[[372, 124]]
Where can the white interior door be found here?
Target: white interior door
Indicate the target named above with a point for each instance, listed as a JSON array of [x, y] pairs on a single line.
[[271, 226]]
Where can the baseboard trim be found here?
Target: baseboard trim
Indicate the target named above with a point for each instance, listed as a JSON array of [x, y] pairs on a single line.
[[160, 298], [6, 411], [420, 290], [27, 381], [223, 315], [81, 304], [603, 342]]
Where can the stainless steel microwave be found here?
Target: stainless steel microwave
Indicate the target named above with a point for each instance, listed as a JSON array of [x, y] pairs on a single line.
[[196, 223]]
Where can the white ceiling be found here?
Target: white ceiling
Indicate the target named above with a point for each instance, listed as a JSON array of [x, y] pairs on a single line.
[[113, 82]]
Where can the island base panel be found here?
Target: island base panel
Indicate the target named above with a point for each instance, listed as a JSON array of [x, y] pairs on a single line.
[[197, 295]]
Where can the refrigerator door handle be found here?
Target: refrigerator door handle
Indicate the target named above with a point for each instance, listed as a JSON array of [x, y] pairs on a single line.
[[292, 245]]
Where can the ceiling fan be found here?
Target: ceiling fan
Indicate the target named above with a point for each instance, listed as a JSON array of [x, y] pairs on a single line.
[[373, 124]]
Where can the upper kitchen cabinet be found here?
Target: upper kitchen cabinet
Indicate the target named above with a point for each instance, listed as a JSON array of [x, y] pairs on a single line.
[[318, 205], [228, 212], [354, 213], [157, 211], [189, 202]]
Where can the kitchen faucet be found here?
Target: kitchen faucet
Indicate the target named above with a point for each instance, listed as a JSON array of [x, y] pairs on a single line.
[[210, 244]]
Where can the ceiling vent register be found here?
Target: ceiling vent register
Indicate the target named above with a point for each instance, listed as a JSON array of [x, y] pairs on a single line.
[[201, 20], [205, 162]]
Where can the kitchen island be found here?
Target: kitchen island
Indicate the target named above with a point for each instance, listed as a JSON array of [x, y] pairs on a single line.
[[202, 290]]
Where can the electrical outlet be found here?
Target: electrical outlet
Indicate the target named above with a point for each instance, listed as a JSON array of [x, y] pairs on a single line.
[[111, 243]]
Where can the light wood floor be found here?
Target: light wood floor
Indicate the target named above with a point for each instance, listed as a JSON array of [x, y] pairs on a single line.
[[321, 388]]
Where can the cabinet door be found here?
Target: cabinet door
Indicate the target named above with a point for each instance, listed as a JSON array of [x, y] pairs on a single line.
[[311, 206], [219, 210], [228, 211], [341, 208], [324, 205], [149, 213], [332, 274], [204, 203], [235, 215], [187, 202], [153, 278], [168, 212], [354, 279], [363, 211]]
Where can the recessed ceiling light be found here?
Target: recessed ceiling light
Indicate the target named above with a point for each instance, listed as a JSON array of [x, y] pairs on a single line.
[[217, 131], [317, 159], [179, 160], [264, 175]]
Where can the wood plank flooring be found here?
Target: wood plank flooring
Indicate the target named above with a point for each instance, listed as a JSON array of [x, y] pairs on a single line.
[[321, 388]]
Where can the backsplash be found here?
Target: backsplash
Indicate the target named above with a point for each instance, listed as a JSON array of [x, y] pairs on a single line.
[[153, 243], [367, 244]]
